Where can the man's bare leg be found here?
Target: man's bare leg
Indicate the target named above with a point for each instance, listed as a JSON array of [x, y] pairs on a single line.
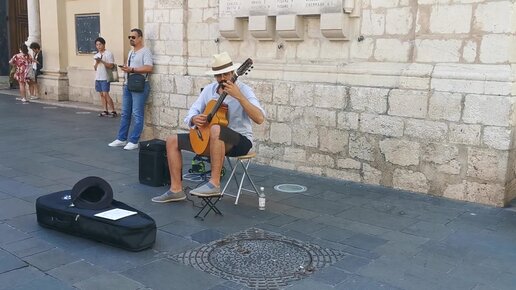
[[217, 153], [103, 101], [109, 102], [175, 163]]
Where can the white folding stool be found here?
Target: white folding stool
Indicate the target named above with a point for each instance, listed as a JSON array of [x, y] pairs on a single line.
[[244, 161]]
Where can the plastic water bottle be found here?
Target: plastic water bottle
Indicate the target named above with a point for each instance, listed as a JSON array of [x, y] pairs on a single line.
[[261, 199]]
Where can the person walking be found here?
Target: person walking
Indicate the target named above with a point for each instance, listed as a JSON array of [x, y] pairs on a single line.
[[23, 62], [139, 62], [104, 60], [37, 65]]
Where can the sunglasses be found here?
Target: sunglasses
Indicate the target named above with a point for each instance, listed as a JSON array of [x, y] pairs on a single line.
[[131, 37]]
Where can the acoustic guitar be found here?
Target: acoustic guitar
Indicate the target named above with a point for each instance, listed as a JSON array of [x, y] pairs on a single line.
[[216, 112]]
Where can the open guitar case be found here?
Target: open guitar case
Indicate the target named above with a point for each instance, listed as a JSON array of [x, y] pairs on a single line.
[[73, 212]]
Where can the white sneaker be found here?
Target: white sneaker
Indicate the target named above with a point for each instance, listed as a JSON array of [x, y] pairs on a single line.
[[117, 143], [131, 146], [34, 97]]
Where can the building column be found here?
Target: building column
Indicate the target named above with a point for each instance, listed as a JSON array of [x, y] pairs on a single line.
[[34, 24], [54, 46]]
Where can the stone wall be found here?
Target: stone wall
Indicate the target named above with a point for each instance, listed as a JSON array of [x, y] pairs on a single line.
[[423, 101]]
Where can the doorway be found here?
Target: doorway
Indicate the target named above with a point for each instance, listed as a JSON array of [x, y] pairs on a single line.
[[13, 32]]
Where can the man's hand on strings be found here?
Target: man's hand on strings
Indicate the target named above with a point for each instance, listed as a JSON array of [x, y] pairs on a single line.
[[199, 120], [232, 89]]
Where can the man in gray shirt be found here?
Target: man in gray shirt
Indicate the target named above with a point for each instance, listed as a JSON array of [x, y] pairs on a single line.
[[139, 61]]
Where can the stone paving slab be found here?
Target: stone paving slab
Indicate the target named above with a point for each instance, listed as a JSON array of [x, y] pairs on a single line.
[[331, 276], [114, 259], [14, 278], [51, 259], [364, 283], [166, 274], [27, 247], [10, 262], [308, 284], [172, 244], [392, 239], [352, 263], [108, 281], [10, 234], [76, 272], [68, 243], [46, 282], [4, 195]]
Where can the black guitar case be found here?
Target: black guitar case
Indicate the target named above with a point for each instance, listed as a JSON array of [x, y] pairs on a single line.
[[134, 233]]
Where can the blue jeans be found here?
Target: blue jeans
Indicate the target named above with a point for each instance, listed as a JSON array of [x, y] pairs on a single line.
[[133, 104]]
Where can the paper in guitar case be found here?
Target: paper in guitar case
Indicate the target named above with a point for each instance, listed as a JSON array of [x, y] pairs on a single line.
[[134, 233]]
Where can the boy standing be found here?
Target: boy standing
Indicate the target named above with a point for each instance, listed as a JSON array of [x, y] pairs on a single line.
[[104, 60]]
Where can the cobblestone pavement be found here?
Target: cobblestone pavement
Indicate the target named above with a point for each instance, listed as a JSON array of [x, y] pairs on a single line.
[[388, 239]]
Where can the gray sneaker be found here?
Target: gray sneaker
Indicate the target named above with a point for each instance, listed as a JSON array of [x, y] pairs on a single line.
[[207, 189], [169, 196]]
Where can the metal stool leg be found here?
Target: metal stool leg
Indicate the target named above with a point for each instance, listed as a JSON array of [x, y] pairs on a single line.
[[244, 161], [233, 173], [244, 175]]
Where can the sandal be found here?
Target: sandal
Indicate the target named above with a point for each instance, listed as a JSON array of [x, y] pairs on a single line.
[[113, 114], [105, 113]]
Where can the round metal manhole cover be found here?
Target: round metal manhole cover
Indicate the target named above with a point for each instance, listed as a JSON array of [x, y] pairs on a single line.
[[259, 259], [290, 188]]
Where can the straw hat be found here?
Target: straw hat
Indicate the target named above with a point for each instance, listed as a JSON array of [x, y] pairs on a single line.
[[222, 63]]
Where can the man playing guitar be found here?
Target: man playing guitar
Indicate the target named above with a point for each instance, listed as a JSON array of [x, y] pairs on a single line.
[[241, 107]]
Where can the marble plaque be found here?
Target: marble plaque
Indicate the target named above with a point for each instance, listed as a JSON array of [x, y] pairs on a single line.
[[245, 8], [306, 7], [261, 7], [285, 7], [232, 8]]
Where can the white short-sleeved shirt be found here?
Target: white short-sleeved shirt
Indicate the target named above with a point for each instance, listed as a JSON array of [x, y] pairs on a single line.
[[100, 73], [238, 119]]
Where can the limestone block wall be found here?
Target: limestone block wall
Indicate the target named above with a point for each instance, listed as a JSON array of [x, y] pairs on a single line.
[[435, 31], [423, 101]]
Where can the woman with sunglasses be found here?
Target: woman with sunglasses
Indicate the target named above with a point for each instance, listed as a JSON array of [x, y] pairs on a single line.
[[139, 61]]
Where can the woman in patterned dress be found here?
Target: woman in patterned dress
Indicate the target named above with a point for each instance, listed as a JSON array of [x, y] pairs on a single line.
[[23, 62]]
